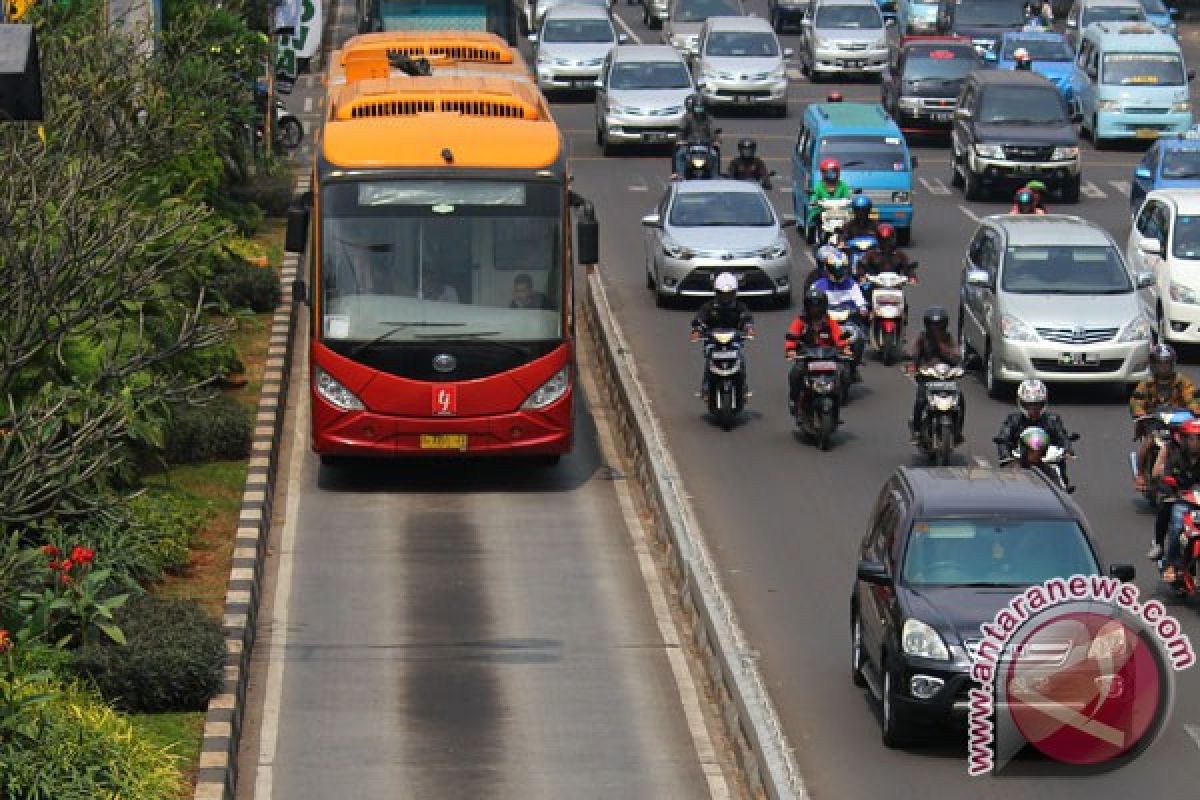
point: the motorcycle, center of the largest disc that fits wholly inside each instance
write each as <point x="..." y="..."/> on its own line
<point x="702" y="159"/>
<point x="724" y="361"/>
<point x="1052" y="462"/>
<point x="854" y="332"/>
<point x="1187" y="574"/>
<point x="857" y="247"/>
<point x="1161" y="424"/>
<point x="943" y="407"/>
<point x="817" y="410"/>
<point x="835" y="213"/>
<point x="885" y="293"/>
<point x="286" y="130"/>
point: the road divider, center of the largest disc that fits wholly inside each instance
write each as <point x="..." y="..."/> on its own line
<point x="751" y="723"/>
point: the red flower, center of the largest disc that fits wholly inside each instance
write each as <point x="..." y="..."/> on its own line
<point x="50" y="550"/>
<point x="66" y="565"/>
<point x="65" y="578"/>
<point x="5" y="642"/>
<point x="82" y="555"/>
<point x="52" y="566"/>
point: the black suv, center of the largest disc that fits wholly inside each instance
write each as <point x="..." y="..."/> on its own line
<point x="1011" y="127"/>
<point x="946" y="548"/>
<point x="984" y="22"/>
<point x="921" y="85"/>
<point x="781" y="13"/>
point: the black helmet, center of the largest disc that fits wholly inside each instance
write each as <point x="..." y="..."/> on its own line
<point x="936" y="318"/>
<point x="816" y="303"/>
<point x="746" y="148"/>
<point x="1162" y="362"/>
<point x="1026" y="203"/>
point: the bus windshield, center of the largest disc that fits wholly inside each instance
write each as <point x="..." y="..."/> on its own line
<point x="493" y="16"/>
<point x="424" y="260"/>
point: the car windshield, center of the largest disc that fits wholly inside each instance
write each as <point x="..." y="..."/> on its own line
<point x="865" y="153"/>
<point x="1181" y="165"/>
<point x="1154" y="7"/>
<point x="728" y="209"/>
<point x="700" y="10"/>
<point x="1065" y="269"/>
<point x="738" y="43"/>
<point x="649" y="75"/>
<point x="1039" y="49"/>
<point x="1022" y="105"/>
<point x="948" y="63"/>
<point x="1111" y="14"/>
<point x="577" y="30"/>
<point x="996" y="551"/>
<point x="1143" y="69"/>
<point x="852" y="17"/>
<point x="1186" y="238"/>
<point x="990" y="13"/>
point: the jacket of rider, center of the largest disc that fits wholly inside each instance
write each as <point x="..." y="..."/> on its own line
<point x="1150" y="394"/>
<point x="696" y="130"/>
<point x="713" y="315"/>
<point x="827" y="334"/>
<point x="877" y="260"/>
<point x="927" y="353"/>
<point x="821" y="191"/>
<point x="750" y="169"/>
<point x="843" y="294"/>
<point x="1016" y="423"/>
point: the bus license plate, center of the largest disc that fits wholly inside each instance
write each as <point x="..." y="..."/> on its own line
<point x="443" y="441"/>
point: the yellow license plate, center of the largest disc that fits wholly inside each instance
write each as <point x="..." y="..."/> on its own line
<point x="443" y="441"/>
<point x="1146" y="133"/>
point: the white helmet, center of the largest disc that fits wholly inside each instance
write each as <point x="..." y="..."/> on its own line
<point x="1032" y="392"/>
<point x="725" y="287"/>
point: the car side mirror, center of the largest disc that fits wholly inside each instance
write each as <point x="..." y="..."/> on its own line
<point x="874" y="573"/>
<point x="978" y="277"/>
<point x="1149" y="246"/>
<point x="962" y="113"/>
<point x="533" y="37"/>
<point x="1143" y="172"/>
<point x="913" y="160"/>
<point x="889" y="22"/>
<point x="652" y="221"/>
<point x="1191" y="75"/>
<point x="788" y="52"/>
<point x="622" y="38"/>
<point x="1145" y="280"/>
<point x="1125" y="573"/>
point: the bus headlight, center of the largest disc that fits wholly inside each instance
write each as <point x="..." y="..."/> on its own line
<point x="550" y="391"/>
<point x="336" y="394"/>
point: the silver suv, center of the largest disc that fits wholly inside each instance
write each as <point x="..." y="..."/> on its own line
<point x="687" y="17"/>
<point x="741" y="63"/>
<point x="843" y="36"/>
<point x="572" y="46"/>
<point x="640" y="96"/>
<point x="1051" y="297"/>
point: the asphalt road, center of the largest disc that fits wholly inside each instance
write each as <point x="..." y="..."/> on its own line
<point x="785" y="519"/>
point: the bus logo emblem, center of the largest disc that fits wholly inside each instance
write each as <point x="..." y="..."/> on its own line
<point x="445" y="401"/>
<point x="444" y="362"/>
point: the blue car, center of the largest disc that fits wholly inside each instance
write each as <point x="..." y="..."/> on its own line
<point x="1173" y="162"/>
<point x="1051" y="55"/>
<point x="1161" y="17"/>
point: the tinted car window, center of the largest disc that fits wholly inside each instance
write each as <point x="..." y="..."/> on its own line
<point x="704" y="209"/>
<point x="1187" y="238"/>
<point x="1022" y="105"/>
<point x="1111" y="14"/>
<point x="1154" y="7"/>
<point x="1143" y="69"/>
<point x="1039" y="49"/>
<point x="990" y="13"/>
<point x="650" y="75"/>
<point x="995" y="552"/>
<point x="947" y="63"/>
<point x="1181" y="164"/>
<point x="577" y="30"/>
<point x="734" y="43"/>
<point x="1064" y="269"/>
<point x="700" y="10"/>
<point x="867" y="153"/>
<point x="834" y="16"/>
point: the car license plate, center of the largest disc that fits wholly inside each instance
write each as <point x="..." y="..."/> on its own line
<point x="583" y="84"/>
<point x="853" y="64"/>
<point x="1146" y="133"/>
<point x="655" y="137"/>
<point x="1078" y="359"/>
<point x="742" y="98"/>
<point x="940" y="116"/>
<point x="443" y="441"/>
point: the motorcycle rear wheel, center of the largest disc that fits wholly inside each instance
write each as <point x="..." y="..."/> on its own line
<point x="291" y="133"/>
<point x="943" y="442"/>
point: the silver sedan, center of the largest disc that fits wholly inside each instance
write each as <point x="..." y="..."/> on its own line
<point x="702" y="228"/>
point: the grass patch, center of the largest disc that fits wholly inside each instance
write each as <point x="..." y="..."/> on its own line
<point x="183" y="732"/>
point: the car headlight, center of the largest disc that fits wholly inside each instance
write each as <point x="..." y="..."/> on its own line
<point x="778" y="249"/>
<point x="614" y="108"/>
<point x="1182" y="294"/>
<point x="675" y="250"/>
<point x="910" y="102"/>
<point x="901" y="197"/>
<point x="1065" y="154"/>
<point x="550" y="391"/>
<point x="779" y="73"/>
<point x="1108" y="105"/>
<point x="1015" y="329"/>
<point x="543" y="57"/>
<point x="918" y="639"/>
<point x="1183" y="106"/>
<point x="822" y="42"/>
<point x="335" y="393"/>
<point x="989" y="151"/>
<point x="1136" y="331"/>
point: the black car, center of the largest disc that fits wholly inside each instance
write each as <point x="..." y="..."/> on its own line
<point x="984" y="22"/>
<point x="945" y="549"/>
<point x="1009" y="128"/>
<point x="921" y="85"/>
<point x="782" y="13"/>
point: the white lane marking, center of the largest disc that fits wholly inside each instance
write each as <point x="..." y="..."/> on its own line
<point x="1194" y="732"/>
<point x="308" y="105"/>
<point x="980" y="461"/>
<point x="1092" y="190"/>
<point x="637" y="39"/>
<point x="277" y="658"/>
<point x="969" y="213"/>
<point x="1122" y="187"/>
<point x="689" y="696"/>
<point x="935" y="186"/>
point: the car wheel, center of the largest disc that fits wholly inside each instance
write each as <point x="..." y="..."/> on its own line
<point x="600" y="132"/>
<point x="895" y="732"/>
<point x="1070" y="189"/>
<point x="991" y="382"/>
<point x="972" y="187"/>
<point x="955" y="176"/>
<point x="661" y="300"/>
<point x="781" y="110"/>
<point x="646" y="16"/>
<point x="856" y="651"/>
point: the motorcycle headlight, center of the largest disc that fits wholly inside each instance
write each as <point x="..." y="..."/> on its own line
<point x="989" y="151"/>
<point x="1016" y="330"/>
<point x="675" y="250"/>
<point x="334" y="393"/>
<point x="1108" y="105"/>
<point x="1182" y="294"/>
<point x="943" y="402"/>
<point x="1065" y="154"/>
<point x="1182" y="107"/>
<point x="550" y="391"/>
<point x="922" y="641"/>
<point x="1136" y="331"/>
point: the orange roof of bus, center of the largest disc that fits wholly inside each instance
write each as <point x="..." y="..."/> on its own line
<point x="491" y="121"/>
<point x="475" y="52"/>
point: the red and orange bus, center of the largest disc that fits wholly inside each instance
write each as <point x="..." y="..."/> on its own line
<point x="440" y="262"/>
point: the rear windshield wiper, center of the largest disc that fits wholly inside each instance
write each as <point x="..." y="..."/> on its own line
<point x="396" y="328"/>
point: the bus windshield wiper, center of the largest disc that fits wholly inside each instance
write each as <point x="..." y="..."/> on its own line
<point x="474" y="336"/>
<point x="396" y="328"/>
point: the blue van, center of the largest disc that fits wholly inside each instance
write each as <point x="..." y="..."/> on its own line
<point x="873" y="154"/>
<point x="1129" y="82"/>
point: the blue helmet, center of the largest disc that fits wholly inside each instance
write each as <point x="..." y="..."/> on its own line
<point x="861" y="203"/>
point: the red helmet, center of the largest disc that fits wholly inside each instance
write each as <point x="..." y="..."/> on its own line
<point x="886" y="233"/>
<point x="1190" y="428"/>
<point x="831" y="170"/>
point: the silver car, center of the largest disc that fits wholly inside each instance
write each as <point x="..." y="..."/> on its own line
<point x="843" y="36"/>
<point x="1051" y="297"/>
<point x="740" y="62"/>
<point x="572" y="46"/>
<point x="640" y="96"/>
<point x="702" y="228"/>
<point x="535" y="10"/>
<point x="687" y="17"/>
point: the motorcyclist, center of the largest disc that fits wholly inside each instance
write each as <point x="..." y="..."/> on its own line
<point x="1024" y="203"/>
<point x="1032" y="397"/>
<point x="830" y="187"/>
<point x="824" y="253"/>
<point x="1165" y="388"/>
<point x="860" y="224"/>
<point x="813" y="327"/>
<point x="886" y="256"/>
<point x="748" y="166"/>
<point x="1178" y="469"/>
<point x="1021" y="60"/>
<point x="724" y="310"/>
<point x="935" y="345"/>
<point x="1039" y="194"/>
<point x="845" y="293"/>
<point x="696" y="127"/>
<point x="1039" y="14"/>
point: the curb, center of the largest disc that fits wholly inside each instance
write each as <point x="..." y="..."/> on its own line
<point x="747" y="714"/>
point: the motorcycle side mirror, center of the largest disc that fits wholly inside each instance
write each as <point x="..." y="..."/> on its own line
<point x="1122" y="572"/>
<point x="914" y="264"/>
<point x="874" y="573"/>
<point x="1074" y="437"/>
<point x="998" y="439"/>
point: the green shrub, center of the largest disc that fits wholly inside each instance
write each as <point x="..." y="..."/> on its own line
<point x="219" y="430"/>
<point x="270" y="191"/>
<point x="173" y="660"/>
<point x="247" y="286"/>
<point x="169" y="520"/>
<point x="85" y="750"/>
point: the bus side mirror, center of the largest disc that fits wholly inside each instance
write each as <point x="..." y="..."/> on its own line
<point x="297" y="226"/>
<point x="587" y="236"/>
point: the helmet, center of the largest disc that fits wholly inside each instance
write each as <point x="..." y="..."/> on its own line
<point x="746" y="148"/>
<point x="823" y="253"/>
<point x="1037" y="187"/>
<point x="886" y="234"/>
<point x="1034" y="443"/>
<point x="837" y="266"/>
<point x="1021" y="57"/>
<point x="1025" y="202"/>
<point x="1189" y="434"/>
<point x="725" y="287"/>
<point x="1032" y="397"/>
<point x="1162" y="362"/>
<point x="861" y="205"/>
<point x="936" y="318"/>
<point x="831" y="170"/>
<point x="816" y="303"/>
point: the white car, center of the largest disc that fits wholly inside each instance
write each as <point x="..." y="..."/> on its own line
<point x="740" y="62"/>
<point x="843" y="37"/>
<point x="1165" y="240"/>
